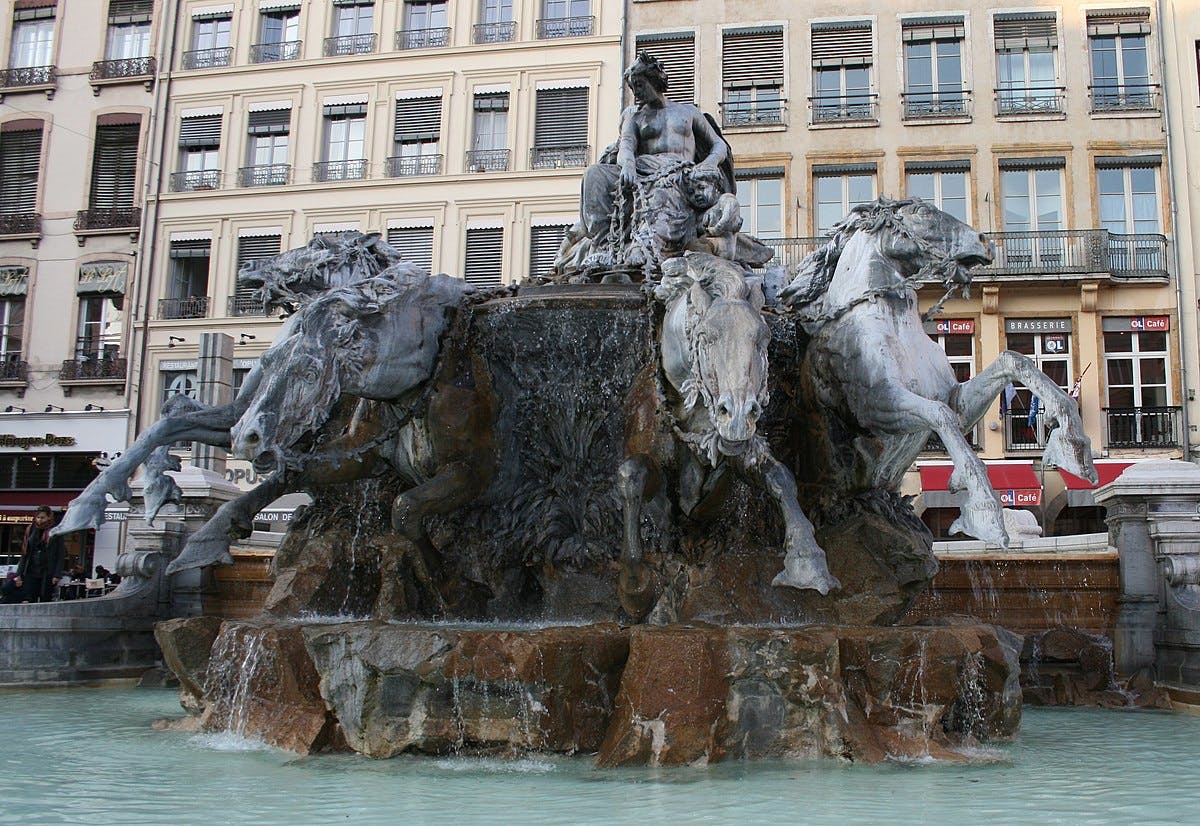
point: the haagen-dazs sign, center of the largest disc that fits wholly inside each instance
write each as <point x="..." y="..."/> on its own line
<point x="26" y="442"/>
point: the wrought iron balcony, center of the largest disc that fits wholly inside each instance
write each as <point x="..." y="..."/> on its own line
<point x="125" y="68"/>
<point x="934" y="443"/>
<point x="753" y="113"/>
<point x="245" y="305"/>
<point x="1067" y="252"/>
<point x="844" y="108"/>
<point x="195" y="180"/>
<point x="276" y="174"/>
<point x="1137" y="97"/>
<point x="937" y="105"/>
<point x="494" y="32"/>
<point x="275" y="52"/>
<point x="20" y="223"/>
<point x="208" y="58"/>
<point x="411" y="165"/>
<point x="100" y="367"/>
<point x="559" y="157"/>
<point x="195" y="306"/>
<point x="1031" y="100"/>
<point x="13" y="370"/>
<point x="791" y="251"/>
<point x="487" y="160"/>
<point x="422" y="39"/>
<point x="102" y="219"/>
<point x="1145" y="427"/>
<point x="1023" y="433"/>
<point x="349" y="44"/>
<point x="1138" y="255"/>
<point x="553" y="27"/>
<point x="351" y="170"/>
<point x="32" y="78"/>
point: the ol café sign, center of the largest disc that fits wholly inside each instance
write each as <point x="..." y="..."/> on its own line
<point x="1150" y="323"/>
<point x="1020" y="498"/>
<point x="955" y="326"/>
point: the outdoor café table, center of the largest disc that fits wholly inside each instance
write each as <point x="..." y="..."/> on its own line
<point x="70" y="589"/>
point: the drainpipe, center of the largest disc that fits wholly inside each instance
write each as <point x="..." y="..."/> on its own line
<point x="1183" y="345"/>
<point x="162" y="96"/>
<point x="624" y="50"/>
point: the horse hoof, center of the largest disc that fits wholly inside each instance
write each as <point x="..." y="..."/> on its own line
<point x="807" y="575"/>
<point x="636" y="593"/>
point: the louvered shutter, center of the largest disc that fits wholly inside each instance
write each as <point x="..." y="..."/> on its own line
<point x="842" y="44"/>
<point x="485" y="251"/>
<point x="497" y="102"/>
<point x="543" y="247"/>
<point x="1113" y="22"/>
<point x="252" y="248"/>
<point x="922" y="29"/>
<point x="561" y="118"/>
<point x="677" y="53"/>
<point x="273" y="122"/>
<point x="752" y="57"/>
<point x="418" y="120"/>
<point x="1015" y="32"/>
<point x="114" y="166"/>
<point x="204" y="131"/>
<point x="191" y="249"/>
<point x="20" y="156"/>
<point x="415" y="244"/>
<point x="121" y="12"/>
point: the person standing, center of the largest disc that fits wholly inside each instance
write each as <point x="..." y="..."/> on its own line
<point x="42" y="560"/>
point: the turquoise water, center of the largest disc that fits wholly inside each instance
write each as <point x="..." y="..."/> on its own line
<point x="90" y="756"/>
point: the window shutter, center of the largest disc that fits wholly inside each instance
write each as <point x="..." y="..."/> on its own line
<point x="842" y="44"/>
<point x="20" y="156"/>
<point x="415" y="244"/>
<point x="252" y="248"/>
<point x="418" y="119"/>
<point x="1112" y="22"/>
<point x="1023" y="31"/>
<point x="492" y="102"/>
<point x="345" y="110"/>
<point x="561" y="118"/>
<point x="922" y="29"/>
<point x="114" y="166"/>
<point x="273" y="122"/>
<point x="204" y="130"/>
<point x="485" y="251"/>
<point x="191" y="249"/>
<point x="543" y="247"/>
<point x="752" y="57"/>
<point x="129" y="11"/>
<point x="33" y="10"/>
<point x="677" y="53"/>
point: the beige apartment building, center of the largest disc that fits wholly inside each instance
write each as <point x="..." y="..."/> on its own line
<point x="76" y="100"/>
<point x="1041" y="124"/>
<point x="458" y="130"/>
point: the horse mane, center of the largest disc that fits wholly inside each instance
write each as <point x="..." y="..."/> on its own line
<point x="717" y="277"/>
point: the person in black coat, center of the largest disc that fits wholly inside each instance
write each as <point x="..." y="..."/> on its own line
<point x="42" y="561"/>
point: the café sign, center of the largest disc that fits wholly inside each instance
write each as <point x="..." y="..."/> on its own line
<point x="1137" y="324"/>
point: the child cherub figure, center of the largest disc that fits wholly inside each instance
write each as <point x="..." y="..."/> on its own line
<point x="718" y="225"/>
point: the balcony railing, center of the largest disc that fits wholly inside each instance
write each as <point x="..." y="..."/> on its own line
<point x="276" y="174"/>
<point x="791" y="251"/>
<point x="553" y="27"/>
<point x="351" y="170"/>
<point x="100" y="368"/>
<point x="1125" y="98"/>
<point x="487" y="160"/>
<point x="245" y="305"/>
<point x="101" y="219"/>
<point x="1023" y="433"/>
<point x="208" y="58"/>
<point x="412" y="165"/>
<point x="934" y="443"/>
<point x="1076" y="252"/>
<point x="195" y="306"/>
<point x="132" y="68"/>
<point x="494" y="32"/>
<point x="349" y="44"/>
<point x="1137" y="255"/>
<point x="753" y="113"/>
<point x="28" y="76"/>
<point x="1144" y="427"/>
<point x="559" y="157"/>
<point x="275" y="52"/>
<point x="1030" y="100"/>
<point x="13" y="370"/>
<point x="195" y="180"/>
<point x="422" y="39"/>
<point x="844" y="108"/>
<point x="20" y="223"/>
<point x="937" y="105"/>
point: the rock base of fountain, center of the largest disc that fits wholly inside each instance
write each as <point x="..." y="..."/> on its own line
<point x="645" y="695"/>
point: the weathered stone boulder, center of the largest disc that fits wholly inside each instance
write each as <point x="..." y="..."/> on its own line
<point x="1067" y="666"/>
<point x="186" y="644"/>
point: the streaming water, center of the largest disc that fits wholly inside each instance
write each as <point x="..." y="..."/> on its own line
<point x="90" y="756"/>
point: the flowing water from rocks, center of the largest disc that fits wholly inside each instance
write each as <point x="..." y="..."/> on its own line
<point x="90" y="756"/>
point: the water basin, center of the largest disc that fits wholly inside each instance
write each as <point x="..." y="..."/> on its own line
<point x="90" y="756"/>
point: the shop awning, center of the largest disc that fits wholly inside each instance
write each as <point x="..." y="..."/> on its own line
<point x="1015" y="482"/>
<point x="1080" y="491"/>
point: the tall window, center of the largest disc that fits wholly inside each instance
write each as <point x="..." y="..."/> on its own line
<point x="943" y="184"/>
<point x="128" y="29"/>
<point x="933" y="69"/>
<point x="1138" y="383"/>
<point x="560" y="128"/>
<point x="425" y="25"/>
<point x="1047" y="341"/>
<point x="267" y="148"/>
<point x="752" y="76"/>
<point x="841" y="59"/>
<point x="417" y="137"/>
<point x="489" y="141"/>
<point x="278" y="35"/>
<point x="415" y="244"/>
<point x="98" y="335"/>
<point x="1127" y="191"/>
<point x="20" y="160"/>
<point x="495" y="11"/>
<point x="32" y="38"/>
<point x="484" y="256"/>
<point x="210" y="41"/>
<point x="1120" y="60"/>
<point x="565" y="18"/>
<point x="187" y="286"/>
<point x="760" y="197"/>
<point x="180" y="383"/>
<point x="496" y="23"/>
<point x="544" y="242"/>
<point x="252" y="248"/>
<point x="353" y="23"/>
<point x="956" y="337"/>
<point x="1025" y="63"/>
<point x="1032" y="195"/>
<point x="838" y="188"/>
<point x="344" y="150"/>
<point x="676" y="52"/>
<point x="199" y="153"/>
<point x="12" y="330"/>
<point x="114" y="166"/>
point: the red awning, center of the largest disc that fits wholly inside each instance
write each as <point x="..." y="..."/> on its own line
<point x="1016" y="483"/>
<point x="1107" y="471"/>
<point x="22" y="499"/>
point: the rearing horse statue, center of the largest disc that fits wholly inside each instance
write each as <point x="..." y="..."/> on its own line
<point x="872" y="363"/>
